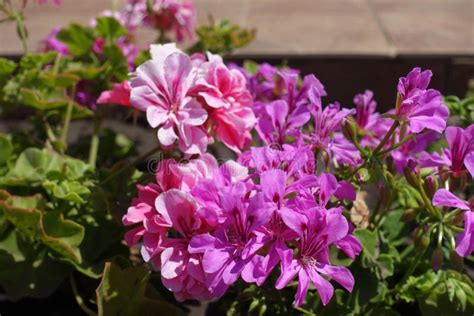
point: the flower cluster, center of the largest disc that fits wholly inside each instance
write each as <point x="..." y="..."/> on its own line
<point x="278" y="208"/>
<point x="167" y="16"/>
<point x="189" y="97"/>
<point x="204" y="227"/>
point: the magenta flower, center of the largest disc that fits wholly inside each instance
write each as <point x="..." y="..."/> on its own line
<point x="284" y="116"/>
<point x="51" y="43"/>
<point x="412" y="148"/>
<point x="160" y="88"/>
<point x="365" y="109"/>
<point x="460" y="153"/>
<point x="420" y="107"/>
<point x="465" y="240"/>
<point x="317" y="230"/>
<point x="326" y="135"/>
<point x="231" y="248"/>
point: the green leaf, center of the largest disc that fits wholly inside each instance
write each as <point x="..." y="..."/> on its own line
<point x="6" y="148"/>
<point x="368" y="239"/>
<point x="443" y="293"/>
<point x="27" y="271"/>
<point x="84" y="71"/>
<point x="122" y="292"/>
<point x="42" y="102"/>
<point x="62" y="80"/>
<point x="71" y="191"/>
<point x="7" y="67"/>
<point x="109" y="28"/>
<point x="119" y="65"/>
<point x="49" y="228"/>
<point x="78" y="39"/>
<point x="31" y="167"/>
<point x="35" y="166"/>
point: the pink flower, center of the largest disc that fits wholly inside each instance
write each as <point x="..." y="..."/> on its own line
<point x="175" y="16"/>
<point x="160" y="88"/>
<point x="184" y="175"/>
<point x="465" y="240"/>
<point x="181" y="271"/>
<point x="149" y="224"/>
<point x="229" y="103"/>
<point x="120" y="94"/>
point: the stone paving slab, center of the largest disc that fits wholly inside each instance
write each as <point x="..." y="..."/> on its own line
<point x="386" y="28"/>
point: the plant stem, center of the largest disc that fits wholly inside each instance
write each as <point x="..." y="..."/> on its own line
<point x="67" y="119"/>
<point x="94" y="147"/>
<point x="79" y="299"/>
<point x="404" y="141"/>
<point x="432" y="210"/>
<point x="410" y="270"/>
<point x="93" y="150"/>
<point x="304" y="311"/>
<point x="20" y="24"/>
<point x="386" y="138"/>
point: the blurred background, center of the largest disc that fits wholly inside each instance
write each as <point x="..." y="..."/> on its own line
<point x="350" y="45"/>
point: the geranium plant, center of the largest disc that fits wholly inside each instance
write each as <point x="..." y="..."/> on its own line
<point x="264" y="200"/>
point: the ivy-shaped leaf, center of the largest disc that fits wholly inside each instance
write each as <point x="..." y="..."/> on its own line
<point x="122" y="292"/>
<point x="109" y="28"/>
<point x="78" y="39"/>
<point x="49" y="228"/>
<point x="71" y="191"/>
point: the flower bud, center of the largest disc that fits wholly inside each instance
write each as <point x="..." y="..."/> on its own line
<point x="408" y="216"/>
<point x="411" y="176"/>
<point x="437" y="259"/>
<point x="431" y="186"/>
<point x="456" y="260"/>
<point x="349" y="130"/>
<point x="422" y="238"/>
<point x="458" y="219"/>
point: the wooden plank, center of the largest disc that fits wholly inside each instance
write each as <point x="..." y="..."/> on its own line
<point x="302" y="27"/>
<point x="428" y="27"/>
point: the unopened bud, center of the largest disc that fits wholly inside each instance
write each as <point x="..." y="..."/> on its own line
<point x="431" y="186"/>
<point x="389" y="161"/>
<point x="410" y="174"/>
<point x="349" y="130"/>
<point x="458" y="219"/>
<point x="408" y="216"/>
<point x="456" y="260"/>
<point x="422" y="238"/>
<point x="437" y="259"/>
<point x="444" y="175"/>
